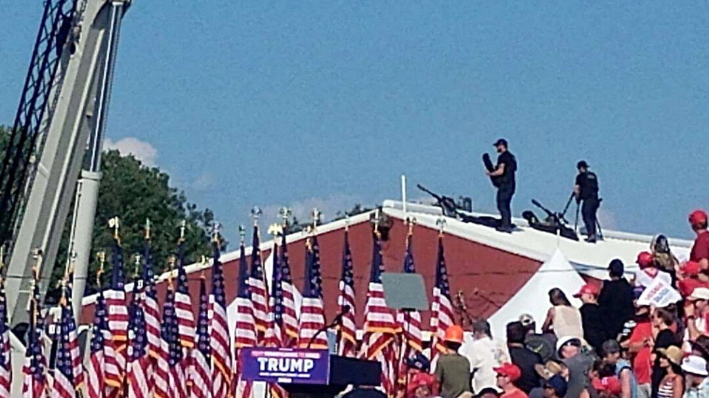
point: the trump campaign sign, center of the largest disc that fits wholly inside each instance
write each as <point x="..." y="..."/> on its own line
<point x="283" y="365"/>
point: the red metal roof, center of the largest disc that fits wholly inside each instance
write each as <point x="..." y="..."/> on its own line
<point x="487" y="276"/>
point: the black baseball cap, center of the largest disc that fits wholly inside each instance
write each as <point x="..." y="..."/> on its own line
<point x="582" y="164"/>
<point x="610" y="347"/>
<point x="499" y="142"/>
<point x="616" y="267"/>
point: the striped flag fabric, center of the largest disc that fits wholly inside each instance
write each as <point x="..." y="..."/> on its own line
<point x="442" y="305"/>
<point x="183" y="302"/>
<point x="150" y="301"/>
<point x="274" y="334"/>
<point x="290" y="318"/>
<point x="68" y="328"/>
<point x="219" y="328"/>
<point x="245" y="330"/>
<point x="138" y="368"/>
<point x="34" y="380"/>
<point x="409" y="321"/>
<point x="117" y="321"/>
<point x="162" y="375"/>
<point x="200" y="372"/>
<point x="347" y="344"/>
<point x="312" y="312"/>
<point x="177" y="363"/>
<point x="5" y="349"/>
<point x="379" y="325"/>
<point x="63" y="381"/>
<point x="257" y="287"/>
<point x="99" y="336"/>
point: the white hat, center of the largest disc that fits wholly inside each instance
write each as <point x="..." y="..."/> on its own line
<point x="700" y="293"/>
<point x="695" y="365"/>
<point x="566" y="340"/>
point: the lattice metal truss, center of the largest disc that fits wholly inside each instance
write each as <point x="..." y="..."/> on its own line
<point x="25" y="142"/>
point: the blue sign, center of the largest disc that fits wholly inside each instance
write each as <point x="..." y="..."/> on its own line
<point x="285" y="365"/>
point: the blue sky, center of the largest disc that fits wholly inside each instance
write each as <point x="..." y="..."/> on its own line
<point x="327" y="103"/>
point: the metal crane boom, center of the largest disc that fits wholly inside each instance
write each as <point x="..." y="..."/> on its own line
<point x="78" y="114"/>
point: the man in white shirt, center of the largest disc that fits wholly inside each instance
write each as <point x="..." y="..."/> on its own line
<point x="695" y="370"/>
<point x="484" y="354"/>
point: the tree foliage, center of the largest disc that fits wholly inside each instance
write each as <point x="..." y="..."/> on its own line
<point x="135" y="193"/>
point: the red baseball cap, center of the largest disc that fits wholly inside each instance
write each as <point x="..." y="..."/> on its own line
<point x="588" y="288"/>
<point x="609" y="384"/>
<point x="691" y="268"/>
<point x="698" y="217"/>
<point x="509" y="370"/>
<point x="644" y="260"/>
<point x="422" y="379"/>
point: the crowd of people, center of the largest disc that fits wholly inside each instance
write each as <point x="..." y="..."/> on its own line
<point x="616" y="345"/>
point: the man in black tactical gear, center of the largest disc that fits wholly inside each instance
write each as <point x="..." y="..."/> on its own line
<point x="586" y="190"/>
<point x="506" y="168"/>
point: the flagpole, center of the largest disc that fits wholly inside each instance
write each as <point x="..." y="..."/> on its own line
<point x="403" y="194"/>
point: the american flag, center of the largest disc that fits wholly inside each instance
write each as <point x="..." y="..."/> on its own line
<point x="379" y="325"/>
<point x="200" y="373"/>
<point x="183" y="302"/>
<point x="117" y="321"/>
<point x="245" y="330"/>
<point x="274" y="334"/>
<point x="139" y="365"/>
<point x="5" y="358"/>
<point x="162" y="375"/>
<point x="67" y="327"/>
<point x="34" y="381"/>
<point x="71" y="331"/>
<point x="99" y="332"/>
<point x="219" y="328"/>
<point x="150" y="301"/>
<point x="410" y="321"/>
<point x="290" y="318"/>
<point x="177" y="363"/>
<point x="441" y="307"/>
<point x="312" y="312"/>
<point x="63" y="384"/>
<point x="348" y="328"/>
<point x="257" y="287"/>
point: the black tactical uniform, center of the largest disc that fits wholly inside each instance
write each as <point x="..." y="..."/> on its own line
<point x="587" y="183"/>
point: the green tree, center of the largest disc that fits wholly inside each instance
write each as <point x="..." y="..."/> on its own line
<point x="136" y="193"/>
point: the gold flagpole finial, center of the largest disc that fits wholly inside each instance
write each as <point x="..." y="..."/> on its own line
<point x="147" y="228"/>
<point x="115" y="224"/>
<point x="347" y="221"/>
<point x="441" y="223"/>
<point x="215" y="232"/>
<point x="275" y="230"/>
<point x="136" y="269"/>
<point x="285" y="214"/>
<point x="183" y="227"/>
<point x="256" y="213"/>
<point x="242" y="233"/>
<point x="411" y="221"/>
<point x="317" y="216"/>
<point x="37" y="254"/>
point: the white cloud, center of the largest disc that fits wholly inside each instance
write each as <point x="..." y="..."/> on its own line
<point x="203" y="182"/>
<point x="142" y="150"/>
<point x="328" y="206"/>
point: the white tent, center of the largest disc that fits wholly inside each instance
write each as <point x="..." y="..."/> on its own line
<point x="533" y="297"/>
